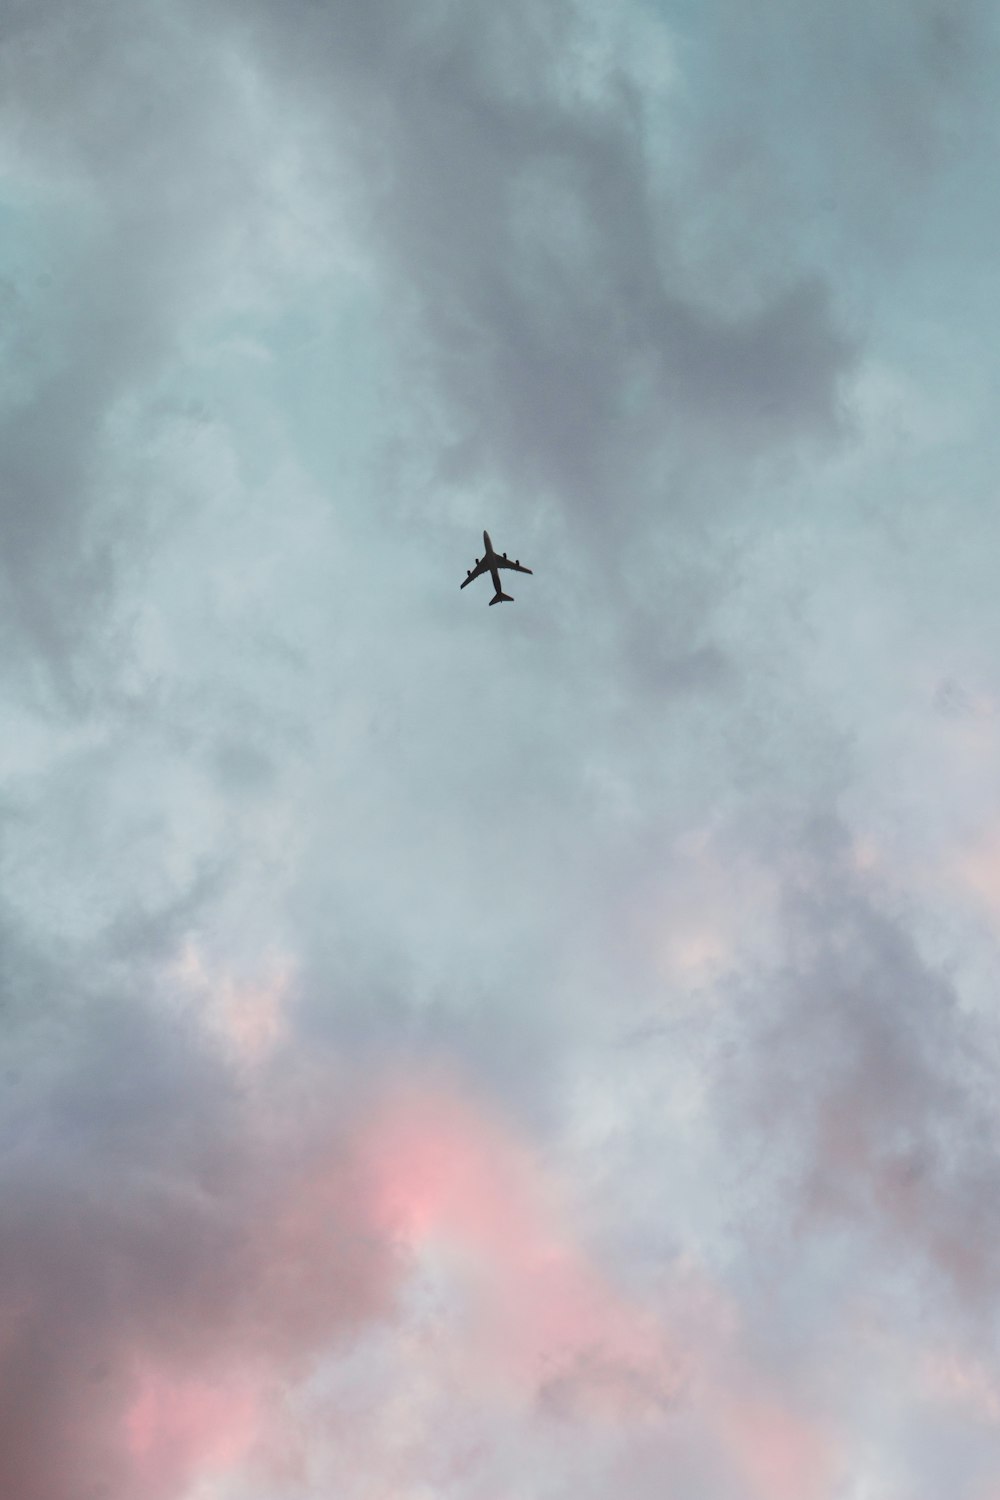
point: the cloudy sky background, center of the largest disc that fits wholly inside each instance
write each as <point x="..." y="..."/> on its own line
<point x="482" y="1053"/>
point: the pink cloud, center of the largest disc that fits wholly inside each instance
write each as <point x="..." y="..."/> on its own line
<point x="152" y="1305"/>
<point x="306" y="1242"/>
<point x="548" y="1318"/>
<point x="447" y="1173"/>
<point x="718" y="906"/>
<point x="966" y="1382"/>
<point x="246" y="1015"/>
<point x="781" y="1454"/>
<point x="178" y="1426"/>
<point x="977" y="868"/>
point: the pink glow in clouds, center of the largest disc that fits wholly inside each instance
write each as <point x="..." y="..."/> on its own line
<point x="547" y="1329"/>
<point x="537" y="1331"/>
<point x="967" y="1382"/>
<point x="718" y="906"/>
<point x="780" y="1454"/>
<point x="176" y="1427"/>
<point x="977" y="866"/>
<point x="449" y="1176"/>
<point x="248" y="1016"/>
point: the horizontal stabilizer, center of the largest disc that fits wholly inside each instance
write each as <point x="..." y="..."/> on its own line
<point x="499" y="597"/>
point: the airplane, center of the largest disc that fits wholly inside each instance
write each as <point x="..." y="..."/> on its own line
<point x="491" y="563"/>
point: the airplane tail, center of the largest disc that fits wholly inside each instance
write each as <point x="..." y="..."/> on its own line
<point x="500" y="596"/>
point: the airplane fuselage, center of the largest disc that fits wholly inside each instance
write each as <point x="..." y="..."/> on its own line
<point x="488" y="559"/>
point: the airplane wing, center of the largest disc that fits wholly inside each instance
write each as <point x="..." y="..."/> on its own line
<point x="480" y="568"/>
<point x="518" y="567"/>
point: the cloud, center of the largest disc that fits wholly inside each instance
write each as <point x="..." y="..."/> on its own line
<point x="844" y="121"/>
<point x="524" y="221"/>
<point x="866" y="1087"/>
<point x="449" y="1173"/>
<point x="138" y="189"/>
<point x="435" y="1055"/>
<point x="174" y="1242"/>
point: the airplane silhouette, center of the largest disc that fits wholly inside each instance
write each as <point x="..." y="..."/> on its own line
<point x="491" y="563"/>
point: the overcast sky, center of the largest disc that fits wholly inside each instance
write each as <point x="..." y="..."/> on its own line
<point x="451" y="1053"/>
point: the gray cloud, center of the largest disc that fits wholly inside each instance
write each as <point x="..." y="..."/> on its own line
<point x="527" y="229"/>
<point x="140" y="192"/>
<point x="573" y="285"/>
<point x="844" y="122"/>
<point x="867" y="1089"/>
<point x="159" y="1220"/>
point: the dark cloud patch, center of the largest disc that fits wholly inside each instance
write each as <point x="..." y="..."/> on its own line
<point x="865" y="1088"/>
<point x="703" y="669"/>
<point x="142" y="932"/>
<point x="853" y="111"/>
<point x="527" y="226"/>
<point x="160" y="1223"/>
<point x="241" y="769"/>
<point x="129" y="196"/>
<point x="564" y="1395"/>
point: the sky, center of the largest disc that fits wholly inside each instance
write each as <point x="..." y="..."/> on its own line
<point x="453" y="1053"/>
